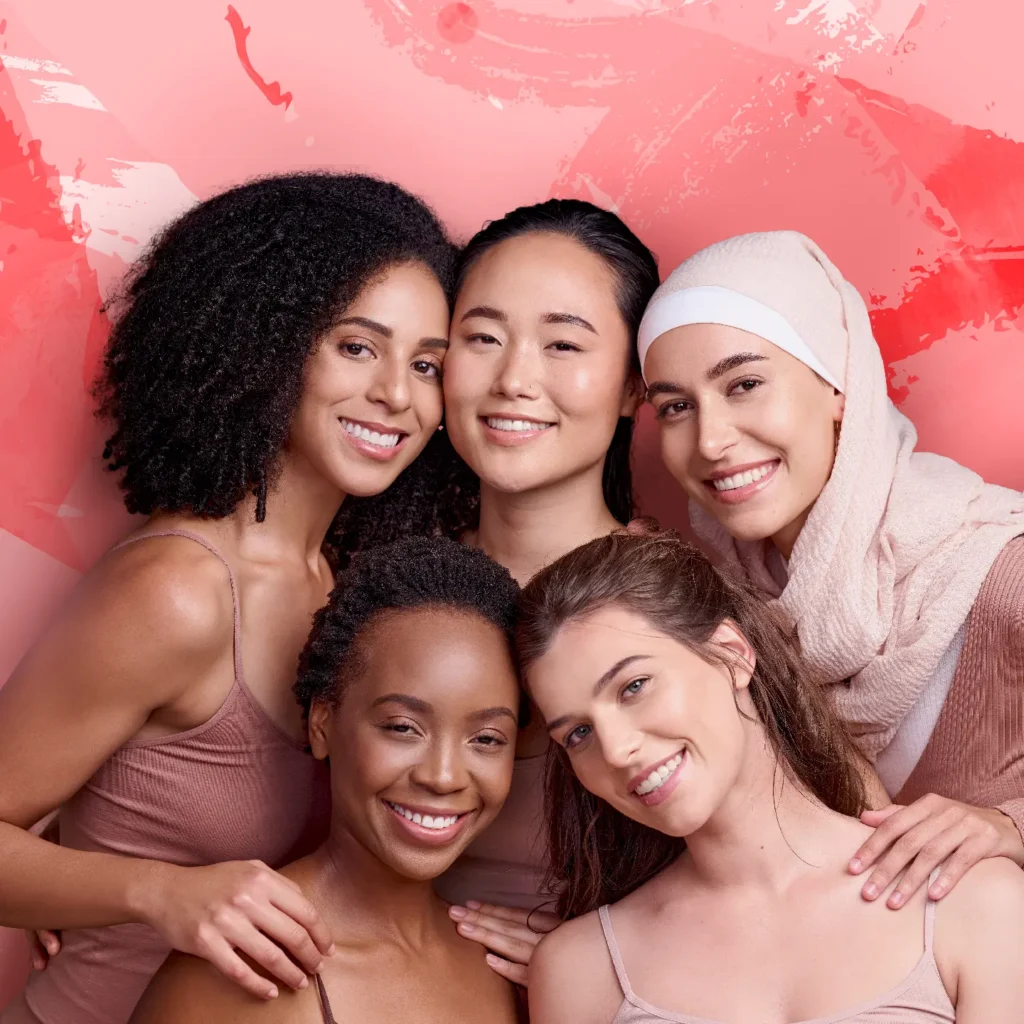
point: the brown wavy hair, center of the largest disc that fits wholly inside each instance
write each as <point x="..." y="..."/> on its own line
<point x="597" y="854"/>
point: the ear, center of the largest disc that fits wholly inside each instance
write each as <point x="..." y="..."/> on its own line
<point x="839" y="407"/>
<point x="320" y="722"/>
<point x="728" y="636"/>
<point x="633" y="394"/>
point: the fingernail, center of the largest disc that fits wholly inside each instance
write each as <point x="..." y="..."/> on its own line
<point x="938" y="888"/>
<point x="457" y="912"/>
<point x="465" y="928"/>
<point x="896" y="899"/>
<point x="855" y="865"/>
<point x="330" y="950"/>
<point x="272" y="994"/>
<point x="474" y="904"/>
<point x="870" y="891"/>
<point x="492" y="959"/>
<point x="304" y="983"/>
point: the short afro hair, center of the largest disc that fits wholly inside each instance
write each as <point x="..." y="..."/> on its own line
<point x="414" y="573"/>
<point x="213" y="326"/>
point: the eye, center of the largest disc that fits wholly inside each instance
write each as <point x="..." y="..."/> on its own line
<point x="355" y="349"/>
<point x="634" y="686"/>
<point x="565" y="346"/>
<point x="426" y="368"/>
<point x="483" y="339"/>
<point x="744" y="387"/>
<point x="400" y="728"/>
<point x="673" y="410"/>
<point x="491" y="740"/>
<point x="576" y="736"/>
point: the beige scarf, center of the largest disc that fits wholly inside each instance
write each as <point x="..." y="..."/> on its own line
<point x="898" y="544"/>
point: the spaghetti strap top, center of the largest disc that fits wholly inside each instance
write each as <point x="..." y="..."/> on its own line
<point x="921" y="997"/>
<point x="325" y="1003"/>
<point x="236" y="787"/>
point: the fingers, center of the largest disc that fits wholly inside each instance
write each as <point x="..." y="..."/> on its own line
<point x="536" y="920"/>
<point x="37" y="951"/>
<point x="904" y="850"/>
<point x="516" y="973"/>
<point x="515" y="947"/>
<point x="895" y="824"/>
<point x="279" y="934"/>
<point x="957" y="866"/>
<point x="215" y="948"/>
<point x="875" y="818"/>
<point x="300" y="910"/>
<point x="932" y="854"/>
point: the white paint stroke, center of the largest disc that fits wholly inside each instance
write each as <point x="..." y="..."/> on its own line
<point x="50" y="67"/>
<point x="146" y="196"/>
<point x="71" y="93"/>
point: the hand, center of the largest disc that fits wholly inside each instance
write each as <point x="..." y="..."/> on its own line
<point x="42" y="945"/>
<point x="932" y="831"/>
<point x="220" y="911"/>
<point x="511" y="933"/>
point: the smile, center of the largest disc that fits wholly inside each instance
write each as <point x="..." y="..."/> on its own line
<point x="654" y="785"/>
<point x="517" y="426"/>
<point x="373" y="439"/>
<point x="743" y="482"/>
<point x="509" y="431"/>
<point x="433" y="829"/>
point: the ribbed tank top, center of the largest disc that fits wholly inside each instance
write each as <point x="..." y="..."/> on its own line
<point x="921" y="997"/>
<point x="236" y="787"/>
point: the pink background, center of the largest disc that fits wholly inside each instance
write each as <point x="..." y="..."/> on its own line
<point x="892" y="131"/>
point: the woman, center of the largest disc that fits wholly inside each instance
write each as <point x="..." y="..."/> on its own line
<point x="410" y="688"/>
<point x="902" y="574"/>
<point x="707" y="787"/>
<point x="278" y="349"/>
<point x="541" y="384"/>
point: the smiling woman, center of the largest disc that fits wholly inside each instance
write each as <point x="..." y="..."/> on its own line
<point x="410" y="688"/>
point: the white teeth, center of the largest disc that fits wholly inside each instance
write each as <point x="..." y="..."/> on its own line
<point x="730" y="483"/>
<point x="657" y="777"/>
<point x="425" y="820"/>
<point x="497" y="424"/>
<point x="365" y="434"/>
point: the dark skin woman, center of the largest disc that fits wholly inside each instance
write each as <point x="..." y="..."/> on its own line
<point x="410" y="687"/>
<point x="276" y="353"/>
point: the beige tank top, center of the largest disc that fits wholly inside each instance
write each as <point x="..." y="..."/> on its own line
<point x="234" y="788"/>
<point x="920" y="998"/>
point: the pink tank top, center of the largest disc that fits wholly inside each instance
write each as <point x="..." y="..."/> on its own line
<point x="234" y="788"/>
<point x="920" y="998"/>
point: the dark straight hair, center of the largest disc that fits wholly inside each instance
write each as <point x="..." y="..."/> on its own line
<point x="597" y="854"/>
<point x="636" y="274"/>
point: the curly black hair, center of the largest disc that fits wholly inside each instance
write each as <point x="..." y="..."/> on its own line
<point x="213" y="326"/>
<point x="411" y="573"/>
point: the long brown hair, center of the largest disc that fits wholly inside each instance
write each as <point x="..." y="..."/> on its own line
<point x="597" y="854"/>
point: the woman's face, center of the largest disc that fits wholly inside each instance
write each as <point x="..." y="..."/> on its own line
<point x="649" y="727"/>
<point x="747" y="429"/>
<point x="422" y="745"/>
<point x="537" y="374"/>
<point x="372" y="393"/>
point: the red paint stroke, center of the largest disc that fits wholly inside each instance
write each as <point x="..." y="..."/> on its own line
<point x="3" y="26"/>
<point x="272" y="90"/>
<point x="79" y="167"/>
<point x="457" y="23"/>
<point x="803" y="98"/>
<point x="53" y="332"/>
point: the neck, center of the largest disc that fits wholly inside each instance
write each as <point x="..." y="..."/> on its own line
<point x="363" y="900"/>
<point x="527" y="531"/>
<point x="300" y="507"/>
<point x="767" y="832"/>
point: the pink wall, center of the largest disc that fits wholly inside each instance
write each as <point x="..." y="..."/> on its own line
<point x="892" y="131"/>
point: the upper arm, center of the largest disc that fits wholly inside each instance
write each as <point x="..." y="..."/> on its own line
<point x="571" y="976"/>
<point x="135" y="635"/>
<point x="979" y="943"/>
<point x="188" y="990"/>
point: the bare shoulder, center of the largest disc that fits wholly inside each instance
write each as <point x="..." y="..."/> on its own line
<point x="990" y="897"/>
<point x="572" y="977"/>
<point x="188" y="990"/>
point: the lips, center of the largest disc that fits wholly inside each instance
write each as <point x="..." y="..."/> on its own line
<point x="428" y="826"/>
<point x="656" y="783"/>
<point x="739" y="483"/>
<point x="376" y="440"/>
<point x="513" y="430"/>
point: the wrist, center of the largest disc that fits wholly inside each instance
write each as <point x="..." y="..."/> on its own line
<point x="146" y="890"/>
<point x="1012" y="845"/>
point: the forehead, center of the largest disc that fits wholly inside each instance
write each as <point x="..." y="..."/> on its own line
<point x="686" y="353"/>
<point x="540" y="272"/>
<point x="450" y="658"/>
<point x="406" y="292"/>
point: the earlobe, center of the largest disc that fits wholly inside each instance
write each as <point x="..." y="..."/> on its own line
<point x="729" y="636"/>
<point x="632" y="395"/>
<point x="319" y="728"/>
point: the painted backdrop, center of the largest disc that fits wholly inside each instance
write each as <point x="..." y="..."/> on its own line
<point x="892" y="131"/>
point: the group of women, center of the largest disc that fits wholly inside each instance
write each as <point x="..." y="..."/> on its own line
<point x="652" y="789"/>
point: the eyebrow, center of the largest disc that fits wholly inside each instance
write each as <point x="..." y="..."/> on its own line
<point x="722" y="367"/>
<point x="493" y="313"/>
<point x="495" y="712"/>
<point x="386" y="332"/>
<point x="600" y="685"/>
<point x="412" y="703"/>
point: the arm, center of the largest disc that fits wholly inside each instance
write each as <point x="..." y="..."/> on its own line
<point x="187" y="990"/>
<point x="571" y="976"/>
<point x="132" y="646"/>
<point x="979" y="942"/>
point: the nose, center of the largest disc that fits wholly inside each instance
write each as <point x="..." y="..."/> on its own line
<point x="390" y="384"/>
<point x="442" y="769"/>
<point x="619" y="743"/>
<point x="517" y="372"/>
<point x="716" y="432"/>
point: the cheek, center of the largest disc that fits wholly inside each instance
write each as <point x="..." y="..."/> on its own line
<point x="428" y="401"/>
<point x="494" y="778"/>
<point x="466" y="378"/>
<point x="590" y="392"/>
